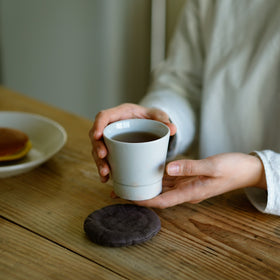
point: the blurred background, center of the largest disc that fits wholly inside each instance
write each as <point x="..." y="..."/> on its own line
<point x="83" y="55"/>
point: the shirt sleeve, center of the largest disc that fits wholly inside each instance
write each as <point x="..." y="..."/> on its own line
<point x="177" y="82"/>
<point x="267" y="201"/>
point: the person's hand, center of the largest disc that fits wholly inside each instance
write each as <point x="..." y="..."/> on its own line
<point x="196" y="180"/>
<point x="121" y="112"/>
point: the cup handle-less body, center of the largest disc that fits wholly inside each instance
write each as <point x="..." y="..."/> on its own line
<point x="137" y="168"/>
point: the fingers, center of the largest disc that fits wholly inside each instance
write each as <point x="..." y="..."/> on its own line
<point x="99" y="153"/>
<point x="192" y="190"/>
<point x="159" y="115"/>
<point x="124" y="111"/>
<point x="171" y="195"/>
<point x="191" y="168"/>
<point x="173" y="128"/>
<point x="103" y="169"/>
<point x="121" y="112"/>
<point x="103" y="118"/>
<point x="166" y="199"/>
<point x="171" y="181"/>
<point x="162" y="201"/>
<point x="202" y="179"/>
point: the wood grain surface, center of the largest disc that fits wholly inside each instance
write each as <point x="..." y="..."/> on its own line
<point x="43" y="211"/>
<point x="26" y="255"/>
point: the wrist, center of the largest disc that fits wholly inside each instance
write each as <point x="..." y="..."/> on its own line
<point x="261" y="178"/>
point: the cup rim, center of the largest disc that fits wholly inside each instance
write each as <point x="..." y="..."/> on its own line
<point x="126" y="122"/>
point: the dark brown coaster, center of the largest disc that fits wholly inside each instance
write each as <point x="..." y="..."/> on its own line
<point x="122" y="225"/>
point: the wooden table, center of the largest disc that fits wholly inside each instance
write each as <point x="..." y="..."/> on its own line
<point x="42" y="214"/>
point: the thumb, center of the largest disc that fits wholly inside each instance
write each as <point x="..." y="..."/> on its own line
<point x="190" y="168"/>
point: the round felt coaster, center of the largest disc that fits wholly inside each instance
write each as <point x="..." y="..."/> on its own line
<point x="122" y="225"/>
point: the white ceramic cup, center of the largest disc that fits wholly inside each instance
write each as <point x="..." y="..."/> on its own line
<point x="137" y="168"/>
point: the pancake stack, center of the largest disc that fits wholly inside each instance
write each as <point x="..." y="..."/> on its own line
<point x="14" y="144"/>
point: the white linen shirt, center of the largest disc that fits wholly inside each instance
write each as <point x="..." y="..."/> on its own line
<point x="220" y="85"/>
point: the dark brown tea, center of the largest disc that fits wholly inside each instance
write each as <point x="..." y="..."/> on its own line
<point x="136" y="137"/>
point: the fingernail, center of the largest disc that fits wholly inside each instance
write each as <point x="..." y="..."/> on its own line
<point x="101" y="153"/>
<point x="101" y="170"/>
<point x="173" y="169"/>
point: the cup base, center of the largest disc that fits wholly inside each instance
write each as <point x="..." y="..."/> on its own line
<point x="137" y="193"/>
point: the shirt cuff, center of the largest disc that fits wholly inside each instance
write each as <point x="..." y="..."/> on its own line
<point x="267" y="201"/>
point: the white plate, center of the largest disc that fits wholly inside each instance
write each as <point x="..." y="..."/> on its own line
<point x="47" y="138"/>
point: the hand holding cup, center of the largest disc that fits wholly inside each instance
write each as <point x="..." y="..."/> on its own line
<point x="121" y="112"/>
